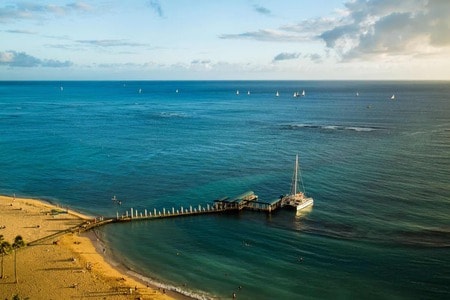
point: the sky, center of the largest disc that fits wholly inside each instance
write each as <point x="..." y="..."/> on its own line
<point x="225" y="40"/>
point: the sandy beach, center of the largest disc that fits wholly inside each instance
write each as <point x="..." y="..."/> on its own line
<point x="58" y="262"/>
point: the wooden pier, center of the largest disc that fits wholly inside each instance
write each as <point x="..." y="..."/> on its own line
<point x="245" y="201"/>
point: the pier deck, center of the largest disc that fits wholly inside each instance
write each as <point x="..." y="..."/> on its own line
<point x="245" y="201"/>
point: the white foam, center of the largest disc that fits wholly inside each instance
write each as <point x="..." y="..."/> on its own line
<point x="192" y="294"/>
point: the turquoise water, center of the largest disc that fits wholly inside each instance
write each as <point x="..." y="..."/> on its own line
<point x="378" y="170"/>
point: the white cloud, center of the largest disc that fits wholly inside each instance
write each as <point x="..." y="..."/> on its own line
<point x="29" y="10"/>
<point x="19" y="31"/>
<point x="265" y="35"/>
<point x="157" y="8"/>
<point x="304" y="31"/>
<point x="376" y="29"/>
<point x="111" y="43"/>
<point x="286" y="56"/>
<point x="370" y="30"/>
<point x="80" y="6"/>
<point x="311" y="28"/>
<point x="128" y="65"/>
<point x="314" y="57"/>
<point x="21" y="59"/>
<point x="198" y="64"/>
<point x="52" y="63"/>
<point x="262" y="10"/>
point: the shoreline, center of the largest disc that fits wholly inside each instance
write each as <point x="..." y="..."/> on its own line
<point x="67" y="264"/>
<point x="116" y="263"/>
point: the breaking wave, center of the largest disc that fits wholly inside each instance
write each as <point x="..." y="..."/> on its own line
<point x="182" y="291"/>
<point x="332" y="127"/>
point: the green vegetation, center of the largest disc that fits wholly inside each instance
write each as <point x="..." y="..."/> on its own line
<point x="18" y="243"/>
<point x="5" y="248"/>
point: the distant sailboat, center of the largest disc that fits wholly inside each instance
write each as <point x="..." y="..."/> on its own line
<point x="237" y="92"/>
<point x="176" y="91"/>
<point x="303" y="93"/>
<point x="277" y="94"/>
<point x="357" y="94"/>
<point x="295" y="94"/>
<point x="140" y="91"/>
<point x="248" y="92"/>
<point x="393" y="97"/>
<point x="61" y="88"/>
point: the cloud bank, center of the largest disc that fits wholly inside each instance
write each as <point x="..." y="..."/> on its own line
<point x="370" y="30"/>
<point x="378" y="28"/>
<point x="29" y="10"/>
<point x="21" y="59"/>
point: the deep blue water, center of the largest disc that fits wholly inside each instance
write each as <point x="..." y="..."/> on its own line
<point x="378" y="169"/>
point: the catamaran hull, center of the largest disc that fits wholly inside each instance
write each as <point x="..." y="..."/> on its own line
<point x="306" y="204"/>
<point x="298" y="205"/>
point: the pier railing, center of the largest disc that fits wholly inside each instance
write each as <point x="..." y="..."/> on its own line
<point x="134" y="214"/>
<point x="246" y="201"/>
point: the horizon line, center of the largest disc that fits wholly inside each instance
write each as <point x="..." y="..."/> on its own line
<point x="217" y="80"/>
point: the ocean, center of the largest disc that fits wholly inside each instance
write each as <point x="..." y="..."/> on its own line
<point x="378" y="170"/>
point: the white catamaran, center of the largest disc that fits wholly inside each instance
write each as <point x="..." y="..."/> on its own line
<point x="295" y="198"/>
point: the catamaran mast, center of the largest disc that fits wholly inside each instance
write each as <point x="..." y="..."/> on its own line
<point x="301" y="179"/>
<point x="294" y="185"/>
<point x="295" y="177"/>
<point x="296" y="174"/>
